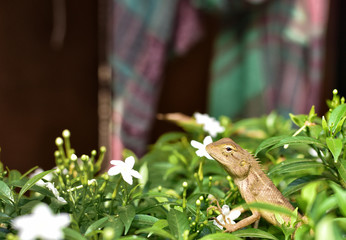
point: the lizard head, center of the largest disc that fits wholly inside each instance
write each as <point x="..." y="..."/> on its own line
<point x="235" y="160"/>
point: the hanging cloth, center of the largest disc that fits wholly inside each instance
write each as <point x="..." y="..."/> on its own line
<point x="143" y="33"/>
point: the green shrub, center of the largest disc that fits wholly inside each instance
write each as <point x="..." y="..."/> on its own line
<point x="170" y="200"/>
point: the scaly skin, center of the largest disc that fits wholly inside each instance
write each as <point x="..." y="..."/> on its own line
<point x="254" y="185"/>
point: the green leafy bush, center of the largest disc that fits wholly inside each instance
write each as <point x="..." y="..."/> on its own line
<point x="173" y="193"/>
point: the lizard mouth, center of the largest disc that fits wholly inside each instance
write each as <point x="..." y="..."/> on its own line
<point x="209" y="148"/>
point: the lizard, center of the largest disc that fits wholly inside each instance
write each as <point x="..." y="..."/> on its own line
<point x="253" y="184"/>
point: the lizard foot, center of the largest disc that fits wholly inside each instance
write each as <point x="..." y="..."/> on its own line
<point x="226" y="218"/>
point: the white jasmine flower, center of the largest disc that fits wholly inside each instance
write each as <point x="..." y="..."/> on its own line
<point x="201" y="152"/>
<point x="125" y="168"/>
<point x="213" y="127"/>
<point x="41" y="224"/>
<point x="201" y="118"/>
<point x="51" y="187"/>
<point x="227" y="215"/>
<point x="210" y="124"/>
<point x="40" y="182"/>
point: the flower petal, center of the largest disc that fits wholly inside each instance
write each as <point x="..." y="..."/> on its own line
<point x="114" y="171"/>
<point x="225" y="210"/>
<point x="201" y="152"/>
<point x="218" y="225"/>
<point x="42" y="223"/>
<point x="196" y="144"/>
<point x="207" y="140"/>
<point x="234" y="214"/>
<point x="130" y="162"/>
<point x="127" y="177"/>
<point x="135" y="174"/>
<point x="117" y="162"/>
<point x="201" y="118"/>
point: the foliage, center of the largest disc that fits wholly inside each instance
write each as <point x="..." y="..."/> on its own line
<point x="172" y="200"/>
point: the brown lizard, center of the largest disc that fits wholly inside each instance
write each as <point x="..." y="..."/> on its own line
<point x="254" y="185"/>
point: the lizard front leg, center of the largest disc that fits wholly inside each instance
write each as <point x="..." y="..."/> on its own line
<point x="243" y="223"/>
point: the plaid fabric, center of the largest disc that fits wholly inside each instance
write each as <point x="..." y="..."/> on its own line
<point x="143" y="30"/>
<point x="268" y="57"/>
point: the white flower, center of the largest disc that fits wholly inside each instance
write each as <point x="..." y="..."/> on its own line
<point x="213" y="128"/>
<point x="201" y="118"/>
<point x="227" y="215"/>
<point x="125" y="168"/>
<point x="201" y="152"/>
<point x="51" y="187"/>
<point x="40" y="182"/>
<point x="210" y="124"/>
<point x="41" y="224"/>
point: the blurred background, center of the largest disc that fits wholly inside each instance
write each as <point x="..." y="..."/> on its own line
<point x="104" y="69"/>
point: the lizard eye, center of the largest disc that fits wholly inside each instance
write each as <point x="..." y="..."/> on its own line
<point x="228" y="149"/>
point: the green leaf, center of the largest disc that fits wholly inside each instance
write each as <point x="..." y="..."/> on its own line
<point x="27" y="208"/>
<point x="254" y="233"/>
<point x="144" y="173"/>
<point x="269" y="142"/>
<point x="221" y="236"/>
<point x="6" y="193"/>
<point x="96" y="225"/>
<point x="116" y="225"/>
<point x="341" y="165"/>
<point x="133" y="237"/>
<point x="142" y="220"/>
<point x="13" y="175"/>
<point x="157" y="231"/>
<point x="127" y="214"/>
<point x="302" y="232"/>
<point x="4" y="218"/>
<point x="280" y="219"/>
<point x="29" y="171"/>
<point x="298" y="120"/>
<point x="270" y="207"/>
<point x="162" y="223"/>
<point x="294" y="165"/>
<point x="327" y="229"/>
<point x="325" y="206"/>
<point x="279" y="141"/>
<point x="312" y="114"/>
<point x="31" y="182"/>
<point x="43" y="190"/>
<point x="298" y="140"/>
<point x="72" y="234"/>
<point x="309" y="192"/>
<point x="335" y="147"/>
<point x="336" y="116"/>
<point x="325" y="125"/>
<point x="169" y="137"/>
<point x="340" y="196"/>
<point x="299" y="183"/>
<point x="339" y="125"/>
<point x="178" y="223"/>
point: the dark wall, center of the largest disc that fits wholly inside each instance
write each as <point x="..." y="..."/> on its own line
<point x="43" y="89"/>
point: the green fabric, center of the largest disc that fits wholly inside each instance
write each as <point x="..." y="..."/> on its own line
<point x="233" y="86"/>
